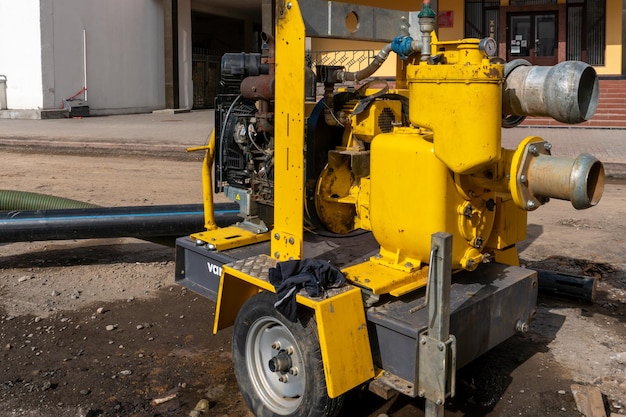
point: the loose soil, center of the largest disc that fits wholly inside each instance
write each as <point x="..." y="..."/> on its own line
<point x="98" y="327"/>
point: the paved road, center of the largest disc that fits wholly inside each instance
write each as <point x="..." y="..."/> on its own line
<point x="168" y="131"/>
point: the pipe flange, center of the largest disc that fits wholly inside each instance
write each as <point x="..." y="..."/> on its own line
<point x="512" y="120"/>
<point x="529" y="149"/>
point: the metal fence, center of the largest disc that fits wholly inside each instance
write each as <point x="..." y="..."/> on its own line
<point x="205" y="73"/>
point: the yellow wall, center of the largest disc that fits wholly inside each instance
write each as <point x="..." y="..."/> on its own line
<point x="388" y="69"/>
<point x="613" y="53"/>
<point x="457" y="31"/>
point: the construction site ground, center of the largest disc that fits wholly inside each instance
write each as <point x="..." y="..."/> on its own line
<point x="98" y="327"/>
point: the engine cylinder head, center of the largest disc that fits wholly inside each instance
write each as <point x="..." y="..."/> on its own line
<point x="568" y="92"/>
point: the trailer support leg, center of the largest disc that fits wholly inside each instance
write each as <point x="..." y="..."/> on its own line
<point x="437" y="348"/>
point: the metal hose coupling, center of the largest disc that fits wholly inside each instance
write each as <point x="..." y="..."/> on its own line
<point x="579" y="180"/>
<point x="537" y="176"/>
<point x="568" y="92"/>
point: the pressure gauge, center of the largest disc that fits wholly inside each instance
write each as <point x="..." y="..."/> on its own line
<point x="488" y="46"/>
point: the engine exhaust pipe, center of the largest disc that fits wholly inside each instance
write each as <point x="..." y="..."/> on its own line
<point x="579" y="180"/>
<point x="568" y="92"/>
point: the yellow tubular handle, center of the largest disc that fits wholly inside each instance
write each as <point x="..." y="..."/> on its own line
<point x="207" y="182"/>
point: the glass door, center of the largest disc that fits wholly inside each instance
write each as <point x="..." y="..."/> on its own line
<point x="533" y="36"/>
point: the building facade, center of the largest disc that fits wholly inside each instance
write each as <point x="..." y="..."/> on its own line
<point x="143" y="55"/>
<point x="53" y="49"/>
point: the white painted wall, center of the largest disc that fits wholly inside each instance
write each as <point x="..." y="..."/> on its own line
<point x="41" y="53"/>
<point x="125" y="53"/>
<point x="185" y="82"/>
<point x="20" y="53"/>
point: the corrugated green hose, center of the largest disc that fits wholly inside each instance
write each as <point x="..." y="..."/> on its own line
<point x="11" y="200"/>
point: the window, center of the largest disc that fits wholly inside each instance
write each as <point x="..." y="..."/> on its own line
<point x="586" y="30"/>
<point x="586" y="25"/>
<point x="482" y="18"/>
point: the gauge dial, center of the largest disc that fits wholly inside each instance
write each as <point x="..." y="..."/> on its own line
<point x="488" y="46"/>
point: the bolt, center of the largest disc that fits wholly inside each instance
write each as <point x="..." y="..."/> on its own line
<point x="293" y="371"/>
<point x="521" y="326"/>
<point x="439" y="402"/>
<point x="478" y="242"/>
<point x="210" y="246"/>
<point x="283" y="378"/>
<point x="408" y="265"/>
<point x="470" y="263"/>
<point x="532" y="149"/>
<point x="276" y="254"/>
<point x="468" y="211"/>
<point x="423" y="341"/>
<point x="276" y="236"/>
<point x="523" y="178"/>
<point x="291" y="241"/>
<point x="440" y="346"/>
<point x="421" y="394"/>
<point x="378" y="256"/>
<point x="547" y="146"/>
<point x="199" y="242"/>
<point x="289" y="5"/>
<point x="530" y="204"/>
<point x="289" y="350"/>
<point x="276" y="345"/>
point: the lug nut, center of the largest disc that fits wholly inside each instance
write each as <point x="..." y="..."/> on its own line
<point x="293" y="371"/>
<point x="276" y="345"/>
<point x="521" y="326"/>
<point x="283" y="378"/>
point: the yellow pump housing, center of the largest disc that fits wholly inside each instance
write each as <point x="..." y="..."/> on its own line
<point x="461" y="102"/>
<point x="451" y="173"/>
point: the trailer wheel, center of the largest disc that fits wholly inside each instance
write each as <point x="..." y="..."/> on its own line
<point x="278" y="363"/>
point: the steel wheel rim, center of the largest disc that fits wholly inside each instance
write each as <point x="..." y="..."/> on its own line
<point x="264" y="336"/>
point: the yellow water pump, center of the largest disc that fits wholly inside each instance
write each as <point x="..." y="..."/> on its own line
<point x="419" y="163"/>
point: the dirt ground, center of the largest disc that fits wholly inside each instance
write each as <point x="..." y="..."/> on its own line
<point x="98" y="327"/>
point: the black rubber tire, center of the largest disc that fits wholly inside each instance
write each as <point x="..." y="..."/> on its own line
<point x="257" y="315"/>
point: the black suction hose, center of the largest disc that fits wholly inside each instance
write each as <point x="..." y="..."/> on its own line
<point x="145" y="222"/>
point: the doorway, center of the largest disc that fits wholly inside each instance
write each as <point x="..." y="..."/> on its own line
<point x="533" y="37"/>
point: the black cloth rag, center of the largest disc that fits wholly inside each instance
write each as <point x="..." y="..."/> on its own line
<point x="314" y="275"/>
